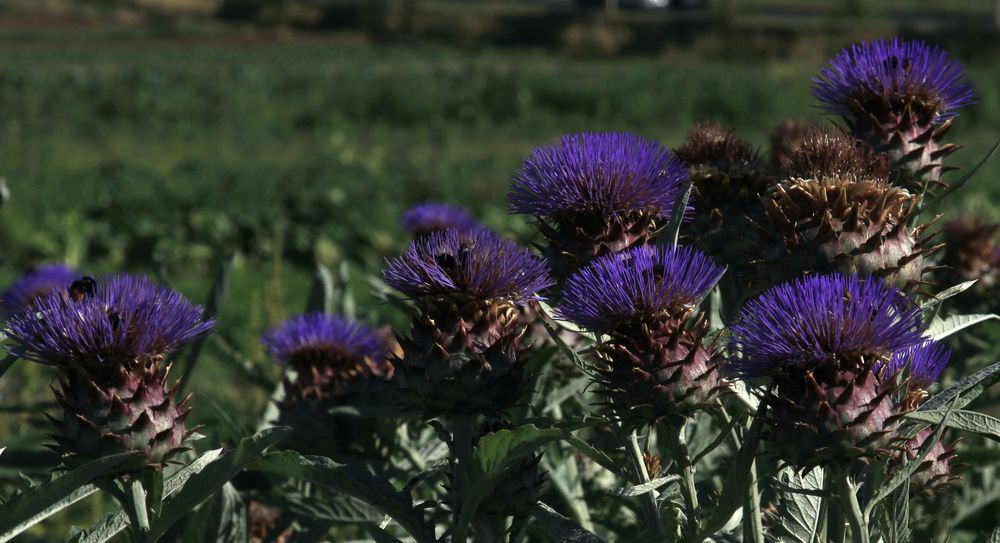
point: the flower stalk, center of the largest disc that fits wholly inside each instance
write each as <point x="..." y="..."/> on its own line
<point x="650" y="510"/>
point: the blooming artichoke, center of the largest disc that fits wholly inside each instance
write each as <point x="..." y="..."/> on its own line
<point x="595" y="194"/>
<point x="655" y="363"/>
<point x="463" y="354"/>
<point x="337" y="363"/>
<point x="824" y="342"/>
<point x="900" y="97"/>
<point x="109" y="340"/>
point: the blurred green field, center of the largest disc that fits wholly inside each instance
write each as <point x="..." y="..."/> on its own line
<point x="164" y="156"/>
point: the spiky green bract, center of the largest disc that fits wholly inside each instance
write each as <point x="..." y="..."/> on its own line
<point x="463" y="354"/>
<point x="337" y="364"/>
<point x="728" y="179"/>
<point x="35" y="282"/>
<point x="430" y="217"/>
<point x="820" y="340"/>
<point x="900" y="97"/>
<point x="108" y="339"/>
<point x="654" y="364"/>
<point x="597" y="193"/>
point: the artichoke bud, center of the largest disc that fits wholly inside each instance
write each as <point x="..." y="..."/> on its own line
<point x="831" y="414"/>
<point x="900" y="97"/>
<point x="786" y="138"/>
<point x="727" y="179"/>
<point x="936" y="472"/>
<point x="970" y="253"/>
<point x="337" y="365"/>
<point x="127" y="409"/>
<point x="841" y="223"/>
<point x="659" y="371"/>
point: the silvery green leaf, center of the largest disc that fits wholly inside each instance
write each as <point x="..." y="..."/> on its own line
<point x="113" y="523"/>
<point x="992" y="537"/>
<point x="560" y="528"/>
<point x="643" y="488"/>
<point x="7" y="362"/>
<point x="942" y="328"/>
<point x="202" y="485"/>
<point x="799" y="513"/>
<point x="46" y="499"/>
<point x="672" y="231"/>
<point x="549" y="313"/>
<point x="494" y="454"/>
<point x="968" y="421"/>
<point x="352" y="481"/>
<point x="216" y="295"/>
<point x="967" y="389"/>
<point x="223" y="519"/>
<point x="741" y="391"/>
<point x="948" y="293"/>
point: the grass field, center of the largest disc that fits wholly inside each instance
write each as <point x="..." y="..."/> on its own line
<point x="165" y="155"/>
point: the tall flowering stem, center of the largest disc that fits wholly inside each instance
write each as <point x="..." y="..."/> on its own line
<point x="655" y="364"/>
<point x="899" y="96"/>
<point x="593" y="194"/>
<point x="463" y="358"/>
<point x="109" y="339"/>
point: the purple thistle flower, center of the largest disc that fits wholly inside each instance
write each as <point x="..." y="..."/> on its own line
<point x="924" y="362"/>
<point x="899" y="97"/>
<point x="894" y="70"/>
<point x="642" y="282"/>
<point x="429" y="217"/>
<point x="34" y="283"/>
<point x="478" y="263"/>
<point x="822" y="319"/>
<point x="312" y="333"/>
<point x="609" y="173"/>
<point x="595" y="194"/>
<point x="111" y="321"/>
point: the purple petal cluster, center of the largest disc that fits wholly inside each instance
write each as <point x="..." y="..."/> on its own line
<point x="428" y="217"/>
<point x="478" y="263"/>
<point x="640" y="282"/>
<point x="34" y="283"/>
<point x="819" y="319"/>
<point x="608" y="173"/>
<point x="924" y="361"/>
<point x="321" y="332"/>
<point x="893" y="69"/>
<point x="113" y="320"/>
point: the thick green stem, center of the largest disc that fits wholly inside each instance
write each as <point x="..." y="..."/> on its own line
<point x="852" y="509"/>
<point x="462" y="429"/>
<point x="137" y="508"/>
<point x="650" y="511"/>
<point x="836" y="528"/>
<point x="677" y="443"/>
<point x="753" y="527"/>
